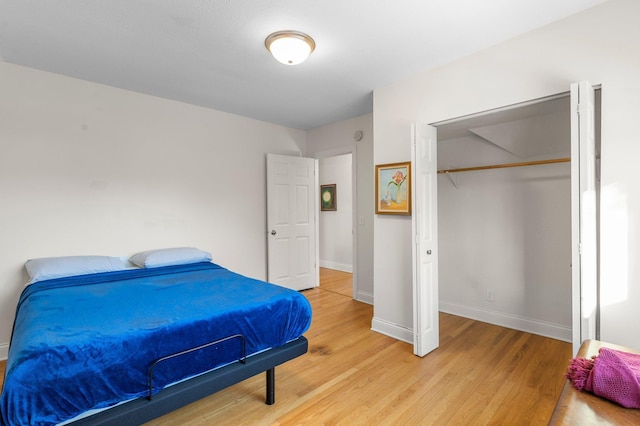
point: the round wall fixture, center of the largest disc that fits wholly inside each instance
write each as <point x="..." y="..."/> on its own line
<point x="357" y="136"/>
<point x="290" y="47"/>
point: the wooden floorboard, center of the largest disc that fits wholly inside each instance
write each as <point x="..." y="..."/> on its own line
<point x="481" y="374"/>
<point x="336" y="281"/>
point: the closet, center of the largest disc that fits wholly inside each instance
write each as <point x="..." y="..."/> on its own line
<point x="504" y="217"/>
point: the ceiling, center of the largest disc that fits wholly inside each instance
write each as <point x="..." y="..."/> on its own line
<point x="211" y="52"/>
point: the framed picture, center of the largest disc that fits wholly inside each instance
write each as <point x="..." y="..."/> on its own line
<point x="328" y="201"/>
<point x="393" y="188"/>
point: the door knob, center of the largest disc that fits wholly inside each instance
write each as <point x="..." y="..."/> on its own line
<point x="273" y="232"/>
<point x="428" y="251"/>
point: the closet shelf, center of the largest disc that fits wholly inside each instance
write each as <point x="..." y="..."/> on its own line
<point x="504" y="166"/>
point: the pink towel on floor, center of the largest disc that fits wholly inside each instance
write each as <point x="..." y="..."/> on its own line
<point x="612" y="374"/>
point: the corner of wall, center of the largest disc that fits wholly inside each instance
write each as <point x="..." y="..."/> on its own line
<point x="364" y="297"/>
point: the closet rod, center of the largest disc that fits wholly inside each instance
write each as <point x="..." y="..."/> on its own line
<point x="504" y="166"/>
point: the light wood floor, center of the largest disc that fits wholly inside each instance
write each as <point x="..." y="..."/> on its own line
<point x="336" y="281"/>
<point x="481" y="374"/>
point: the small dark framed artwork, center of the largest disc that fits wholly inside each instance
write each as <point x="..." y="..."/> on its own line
<point x="328" y="201"/>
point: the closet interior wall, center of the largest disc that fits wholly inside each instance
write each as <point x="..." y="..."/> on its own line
<point x="505" y="233"/>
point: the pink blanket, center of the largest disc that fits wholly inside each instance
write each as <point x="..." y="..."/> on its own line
<point x="614" y="375"/>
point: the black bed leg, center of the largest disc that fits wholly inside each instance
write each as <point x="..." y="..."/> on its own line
<point x="271" y="386"/>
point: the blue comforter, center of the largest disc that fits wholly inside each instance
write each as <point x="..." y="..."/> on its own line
<point x="87" y="342"/>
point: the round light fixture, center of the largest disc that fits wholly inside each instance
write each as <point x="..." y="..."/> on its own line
<point x="290" y="47"/>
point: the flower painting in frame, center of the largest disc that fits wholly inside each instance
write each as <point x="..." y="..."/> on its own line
<point x="393" y="188"/>
<point x="328" y="200"/>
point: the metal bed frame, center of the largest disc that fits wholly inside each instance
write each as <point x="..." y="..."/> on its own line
<point x="143" y="409"/>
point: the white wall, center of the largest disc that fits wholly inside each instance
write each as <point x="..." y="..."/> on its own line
<point x="337" y="138"/>
<point x="599" y="45"/>
<point x="89" y="169"/>
<point x="335" y="230"/>
<point x="505" y="234"/>
<point x="508" y="232"/>
<point x="620" y="212"/>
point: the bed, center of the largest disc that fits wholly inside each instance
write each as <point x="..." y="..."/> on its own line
<point x="126" y="346"/>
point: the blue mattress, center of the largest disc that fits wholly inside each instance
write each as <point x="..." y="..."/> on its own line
<point x="87" y="342"/>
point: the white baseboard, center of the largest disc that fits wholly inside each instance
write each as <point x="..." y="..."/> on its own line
<point x="392" y="330"/>
<point x="4" y="351"/>
<point x="364" y="297"/>
<point x="337" y="266"/>
<point x="542" y="328"/>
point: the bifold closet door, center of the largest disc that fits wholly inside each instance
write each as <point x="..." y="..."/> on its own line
<point x="583" y="214"/>
<point x="426" y="328"/>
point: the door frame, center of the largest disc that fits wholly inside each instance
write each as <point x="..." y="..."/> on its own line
<point x="575" y="296"/>
<point x="351" y="149"/>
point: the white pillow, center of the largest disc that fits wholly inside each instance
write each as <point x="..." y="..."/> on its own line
<point x="47" y="268"/>
<point x="169" y="256"/>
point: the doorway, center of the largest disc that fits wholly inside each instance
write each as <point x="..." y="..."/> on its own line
<point x="336" y="225"/>
<point x="505" y="233"/>
<point x="505" y="242"/>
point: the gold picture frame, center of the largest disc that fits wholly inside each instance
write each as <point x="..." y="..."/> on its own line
<point x="393" y="188"/>
<point x="328" y="198"/>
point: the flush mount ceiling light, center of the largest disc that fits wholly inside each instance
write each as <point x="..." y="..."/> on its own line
<point x="290" y="47"/>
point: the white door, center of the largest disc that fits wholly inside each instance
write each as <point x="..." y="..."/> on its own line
<point x="425" y="239"/>
<point x="583" y="214"/>
<point x="292" y="198"/>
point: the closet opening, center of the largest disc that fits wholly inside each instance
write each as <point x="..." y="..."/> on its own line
<point x="504" y="216"/>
